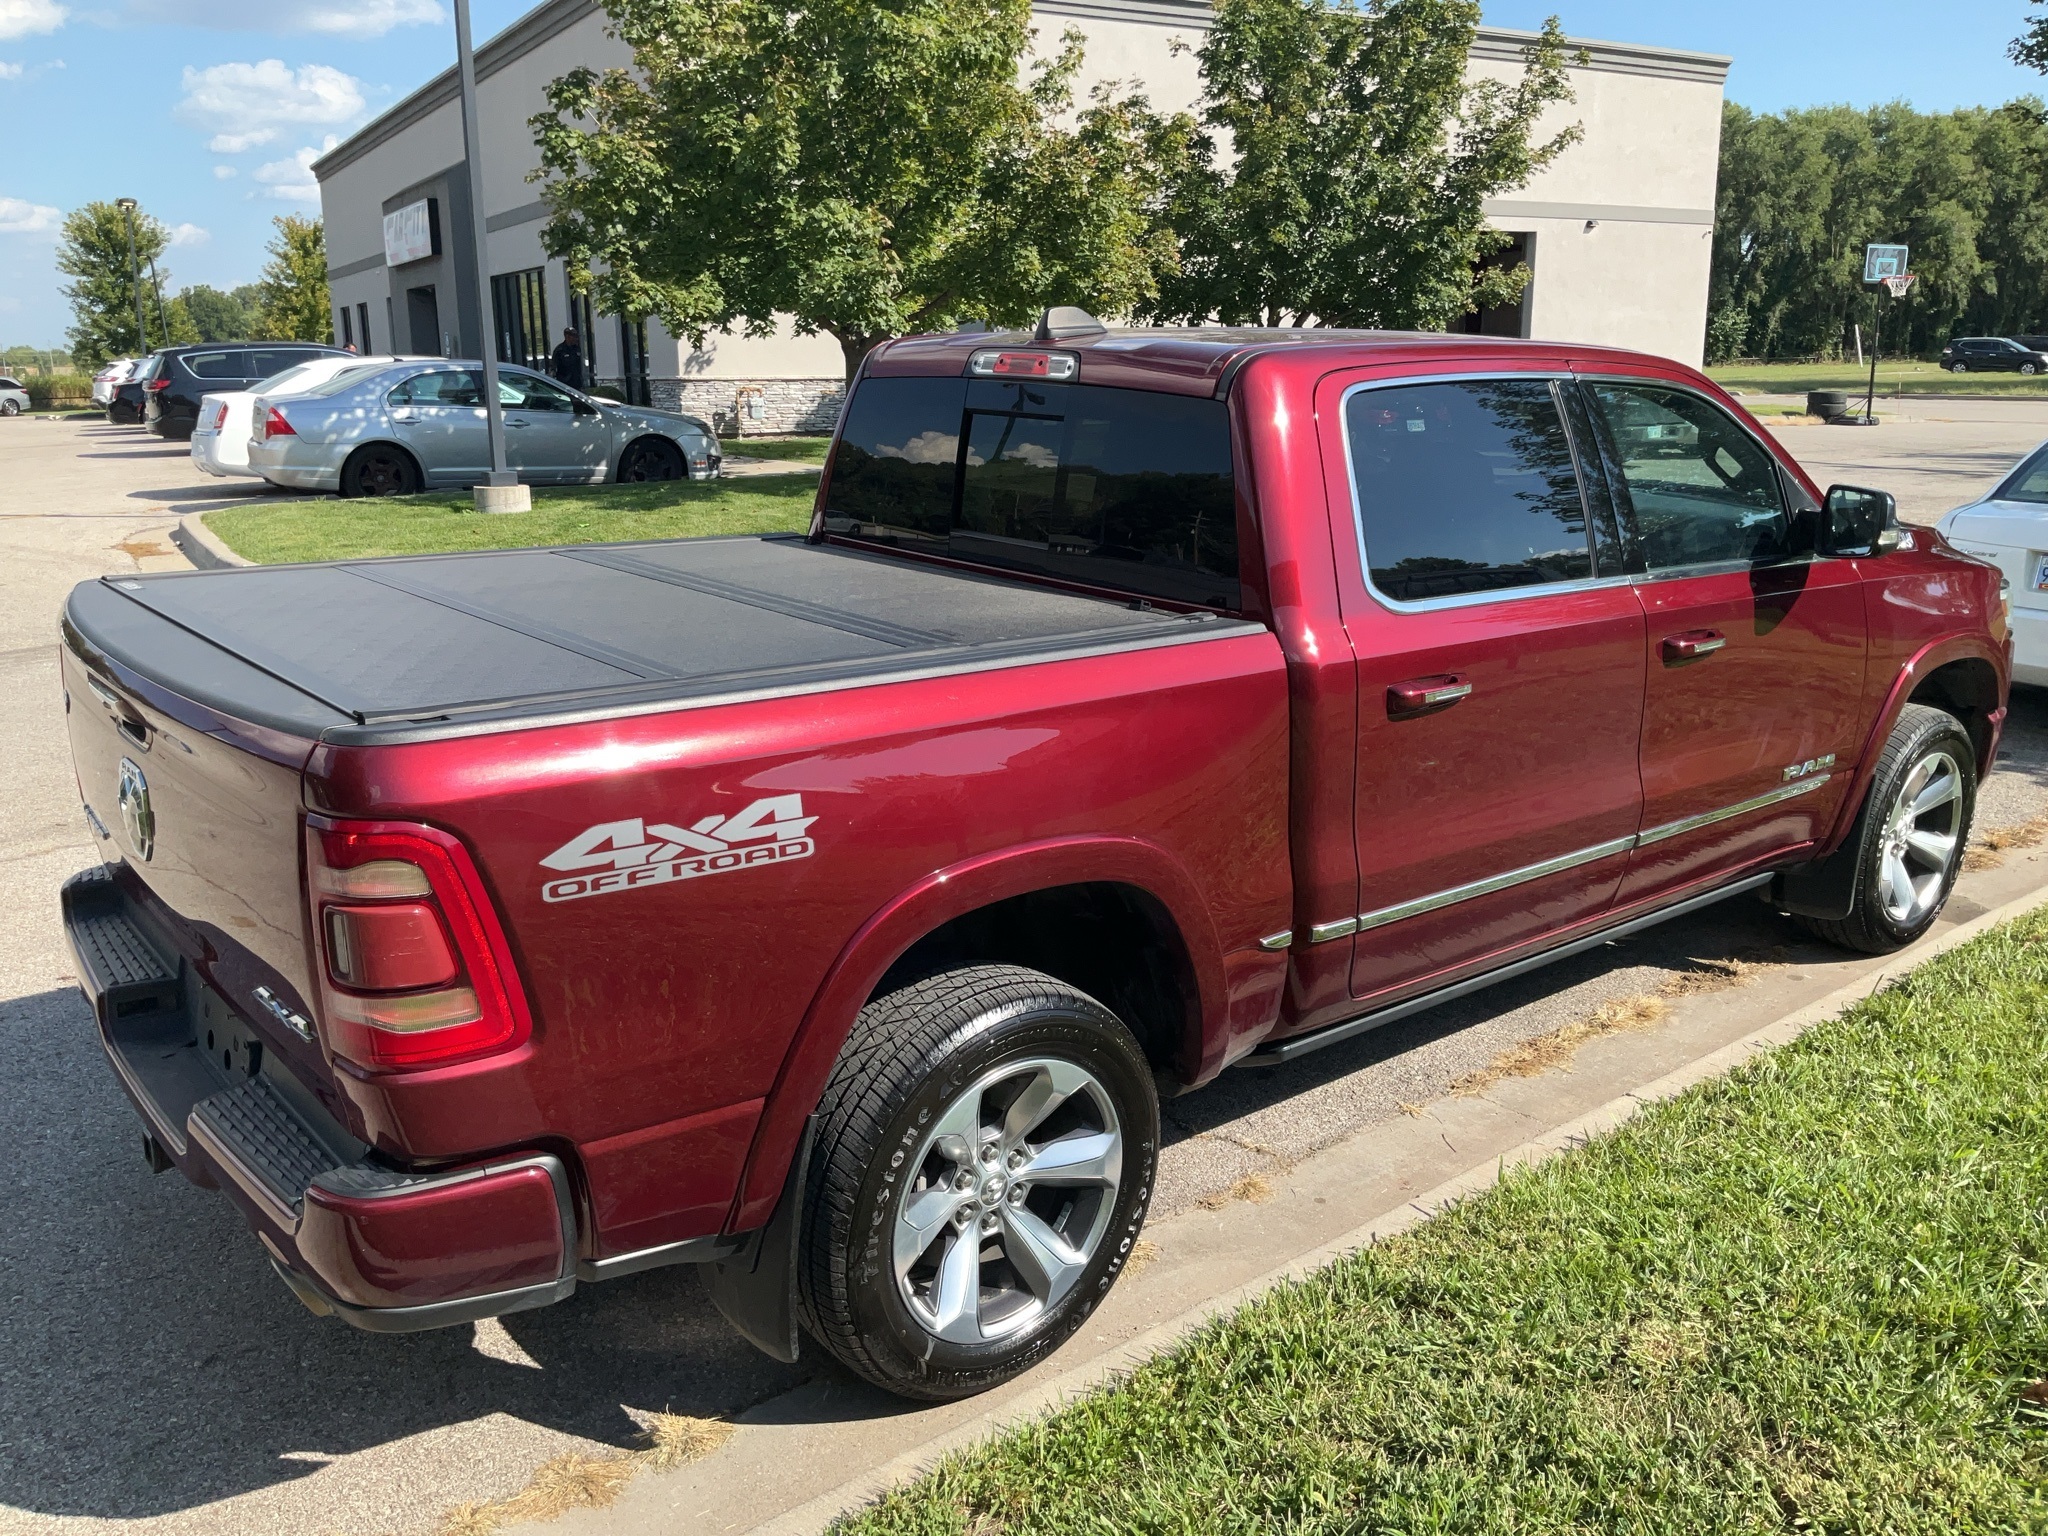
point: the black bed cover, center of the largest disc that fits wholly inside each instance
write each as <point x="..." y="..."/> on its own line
<point x="368" y="650"/>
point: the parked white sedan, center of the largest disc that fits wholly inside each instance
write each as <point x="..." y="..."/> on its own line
<point x="110" y="378"/>
<point x="220" y="438"/>
<point x="2009" y="527"/>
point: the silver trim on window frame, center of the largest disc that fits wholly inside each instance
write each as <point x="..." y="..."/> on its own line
<point x="1344" y="927"/>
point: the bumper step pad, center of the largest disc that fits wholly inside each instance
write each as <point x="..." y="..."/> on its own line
<point x="125" y="966"/>
<point x="252" y="1121"/>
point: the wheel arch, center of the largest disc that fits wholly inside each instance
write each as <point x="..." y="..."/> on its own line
<point x="648" y="434"/>
<point x="1024" y="900"/>
<point x="358" y="449"/>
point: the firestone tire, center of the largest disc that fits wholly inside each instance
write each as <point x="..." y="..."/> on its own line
<point x="1922" y="800"/>
<point x="380" y="470"/>
<point x="931" y="1143"/>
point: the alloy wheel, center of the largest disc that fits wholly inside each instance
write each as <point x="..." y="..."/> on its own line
<point x="1922" y="839"/>
<point x="1010" y="1195"/>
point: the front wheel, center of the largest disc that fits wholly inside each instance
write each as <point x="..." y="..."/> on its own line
<point x="379" y="470"/>
<point x="1957" y="368"/>
<point x="10" y="407"/>
<point x="2029" y="369"/>
<point x="984" y="1159"/>
<point x="651" y="458"/>
<point x="1915" y="827"/>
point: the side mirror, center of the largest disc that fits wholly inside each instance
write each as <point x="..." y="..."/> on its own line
<point x="1855" y="521"/>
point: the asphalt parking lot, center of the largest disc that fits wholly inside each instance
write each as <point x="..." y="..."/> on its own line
<point x="157" y="1376"/>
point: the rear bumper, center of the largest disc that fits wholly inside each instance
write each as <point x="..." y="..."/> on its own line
<point x="387" y="1249"/>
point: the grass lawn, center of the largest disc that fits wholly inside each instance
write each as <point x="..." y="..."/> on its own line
<point x="584" y="514"/>
<point x="1892" y="378"/>
<point x="797" y="450"/>
<point x="1811" y="1297"/>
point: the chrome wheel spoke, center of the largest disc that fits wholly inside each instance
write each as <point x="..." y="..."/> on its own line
<point x="1079" y="1159"/>
<point x="1050" y="1087"/>
<point x="956" y="1293"/>
<point x="1934" y="847"/>
<point x="926" y="1213"/>
<point x="1040" y="1256"/>
<point x="961" y="1119"/>
<point x="1899" y="886"/>
<point x="1933" y="796"/>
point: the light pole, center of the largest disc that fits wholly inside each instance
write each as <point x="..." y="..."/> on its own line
<point x="501" y="492"/>
<point x="127" y="207"/>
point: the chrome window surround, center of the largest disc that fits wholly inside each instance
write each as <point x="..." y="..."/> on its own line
<point x="1544" y="589"/>
<point x="1344" y="927"/>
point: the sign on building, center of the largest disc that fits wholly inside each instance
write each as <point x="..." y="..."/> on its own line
<point x="1883" y="261"/>
<point x="412" y="233"/>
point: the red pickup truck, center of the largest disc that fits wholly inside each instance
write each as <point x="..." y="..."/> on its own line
<point x="832" y="910"/>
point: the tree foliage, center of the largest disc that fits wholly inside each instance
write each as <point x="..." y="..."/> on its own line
<point x="1802" y="192"/>
<point x="867" y="169"/>
<point x="291" y="294"/>
<point x="92" y="251"/>
<point x="2031" y="46"/>
<point x="218" y="316"/>
<point x="1343" y="163"/>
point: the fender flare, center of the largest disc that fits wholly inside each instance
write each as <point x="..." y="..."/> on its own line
<point x="934" y="900"/>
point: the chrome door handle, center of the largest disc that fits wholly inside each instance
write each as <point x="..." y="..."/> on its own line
<point x="511" y="421"/>
<point x="1693" y="644"/>
<point x="1426" y="693"/>
<point x="405" y="418"/>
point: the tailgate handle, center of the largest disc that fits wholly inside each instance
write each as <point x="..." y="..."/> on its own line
<point x="1426" y="693"/>
<point x="134" y="730"/>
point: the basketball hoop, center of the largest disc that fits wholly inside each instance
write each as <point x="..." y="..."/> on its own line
<point x="1901" y="284"/>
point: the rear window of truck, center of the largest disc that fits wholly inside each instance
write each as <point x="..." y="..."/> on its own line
<point x="1117" y="488"/>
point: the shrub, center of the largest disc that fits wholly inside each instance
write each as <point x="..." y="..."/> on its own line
<point x="52" y="390"/>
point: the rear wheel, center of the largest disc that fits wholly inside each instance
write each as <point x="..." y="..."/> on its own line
<point x="10" y="407"/>
<point x="651" y="458"/>
<point x="1957" y="368"/>
<point x="380" y="470"/>
<point x="1914" y="832"/>
<point x="983" y="1163"/>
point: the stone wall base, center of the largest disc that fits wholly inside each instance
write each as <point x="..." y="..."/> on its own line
<point x="754" y="407"/>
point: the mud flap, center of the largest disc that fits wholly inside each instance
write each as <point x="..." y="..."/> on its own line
<point x="756" y="1287"/>
<point x="1826" y="888"/>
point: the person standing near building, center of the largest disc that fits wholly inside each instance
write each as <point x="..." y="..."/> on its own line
<point x="568" y="359"/>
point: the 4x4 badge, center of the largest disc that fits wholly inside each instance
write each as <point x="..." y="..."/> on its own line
<point x="635" y="853"/>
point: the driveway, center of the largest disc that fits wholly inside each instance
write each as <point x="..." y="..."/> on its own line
<point x="159" y="1378"/>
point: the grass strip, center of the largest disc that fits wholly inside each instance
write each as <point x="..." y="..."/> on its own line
<point x="1812" y="1296"/>
<point x="326" y="529"/>
<point x="795" y="450"/>
<point x="1907" y="378"/>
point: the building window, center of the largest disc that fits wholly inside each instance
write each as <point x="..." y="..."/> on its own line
<point x="519" y="306"/>
<point x="346" y="338"/>
<point x="633" y="383"/>
<point x="363" y="325"/>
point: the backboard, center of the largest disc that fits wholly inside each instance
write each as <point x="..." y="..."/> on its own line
<point x="1883" y="261"/>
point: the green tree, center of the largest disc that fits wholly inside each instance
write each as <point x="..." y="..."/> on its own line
<point x="292" y="292"/>
<point x="868" y="169"/>
<point x="215" y="315"/>
<point x="93" y="252"/>
<point x="1343" y="163"/>
<point x="2031" y="46"/>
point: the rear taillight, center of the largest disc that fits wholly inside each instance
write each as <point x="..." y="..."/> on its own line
<point x="156" y="384"/>
<point x="413" y="966"/>
<point x="220" y="416"/>
<point x="274" y="424"/>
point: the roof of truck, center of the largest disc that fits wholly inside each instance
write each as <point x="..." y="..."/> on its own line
<point x="1201" y="360"/>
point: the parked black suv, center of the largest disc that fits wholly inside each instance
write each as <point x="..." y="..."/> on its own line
<point x="1991" y="354"/>
<point x="183" y="374"/>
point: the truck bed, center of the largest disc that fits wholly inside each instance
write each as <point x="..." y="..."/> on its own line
<point x="369" y="650"/>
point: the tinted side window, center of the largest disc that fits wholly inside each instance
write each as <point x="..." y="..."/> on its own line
<point x="2027" y="483"/>
<point x="265" y="361"/>
<point x="214" y="365"/>
<point x="1703" y="490"/>
<point x="454" y="386"/>
<point x="1113" y="487"/>
<point x="1465" y="488"/>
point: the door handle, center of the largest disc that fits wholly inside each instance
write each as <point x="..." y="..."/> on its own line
<point x="514" y="421"/>
<point x="405" y="418"/>
<point x="1693" y="644"/>
<point x="1426" y="693"/>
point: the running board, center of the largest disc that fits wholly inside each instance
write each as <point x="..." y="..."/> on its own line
<point x="1284" y="1051"/>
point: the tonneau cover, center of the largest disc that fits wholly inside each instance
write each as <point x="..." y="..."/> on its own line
<point x="365" y="646"/>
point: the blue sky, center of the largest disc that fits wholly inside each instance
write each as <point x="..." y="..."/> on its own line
<point x="211" y="125"/>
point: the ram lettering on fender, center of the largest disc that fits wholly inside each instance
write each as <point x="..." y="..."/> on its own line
<point x="635" y="853"/>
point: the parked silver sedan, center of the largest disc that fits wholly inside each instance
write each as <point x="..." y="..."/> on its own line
<point x="412" y="426"/>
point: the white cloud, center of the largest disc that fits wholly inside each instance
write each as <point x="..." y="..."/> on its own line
<point x="224" y="173"/>
<point x="20" y="18"/>
<point x="9" y="71"/>
<point x="189" y="234"/>
<point x="250" y="104"/>
<point x="18" y="217"/>
<point x="292" y="180"/>
<point x="327" y="18"/>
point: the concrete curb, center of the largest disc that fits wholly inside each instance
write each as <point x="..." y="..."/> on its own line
<point x="202" y="546"/>
<point x="813" y="1517"/>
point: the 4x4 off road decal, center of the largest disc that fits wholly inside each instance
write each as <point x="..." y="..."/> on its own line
<point x="639" y="853"/>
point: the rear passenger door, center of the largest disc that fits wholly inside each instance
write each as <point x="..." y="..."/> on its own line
<point x="440" y="417"/>
<point x="1500" y="673"/>
<point x="1754" y="649"/>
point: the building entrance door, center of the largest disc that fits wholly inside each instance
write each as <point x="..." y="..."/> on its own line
<point x="423" y="316"/>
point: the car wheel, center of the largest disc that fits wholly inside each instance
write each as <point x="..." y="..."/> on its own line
<point x="10" y="407"/>
<point x="2028" y="369"/>
<point x="651" y="458"/>
<point x="1915" y="828"/>
<point x="380" y="470"/>
<point x="1957" y="368"/>
<point x="984" y="1158"/>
